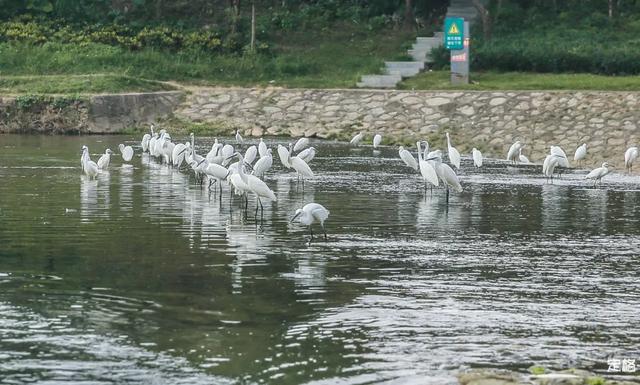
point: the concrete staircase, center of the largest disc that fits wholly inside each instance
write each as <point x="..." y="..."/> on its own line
<point x="395" y="71"/>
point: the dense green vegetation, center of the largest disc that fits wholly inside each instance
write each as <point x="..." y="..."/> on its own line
<point x="77" y="84"/>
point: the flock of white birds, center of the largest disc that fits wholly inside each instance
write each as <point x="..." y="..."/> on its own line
<point x="244" y="173"/>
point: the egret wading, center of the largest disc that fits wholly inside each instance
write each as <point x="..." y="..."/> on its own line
<point x="598" y="173"/>
<point x="377" y="139"/>
<point x="630" y="156"/>
<point x="105" y="159"/>
<point x="454" y="155"/>
<point x="239" y="139"/>
<point x="356" y="139"/>
<point x="407" y="158"/>
<point x="311" y="213"/>
<point x="89" y="167"/>
<point x="255" y="185"/>
<point x="447" y="175"/>
<point x="522" y="158"/>
<point x="427" y="170"/>
<point x="581" y="153"/>
<point x="301" y="144"/>
<point x="514" y="151"/>
<point x="126" y="152"/>
<point x="477" y="157"/>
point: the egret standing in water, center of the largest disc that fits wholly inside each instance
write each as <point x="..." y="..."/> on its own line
<point x="103" y="161"/>
<point x="145" y="140"/>
<point x="427" y="169"/>
<point x="310" y="213"/>
<point x="239" y="139"/>
<point x="477" y="157"/>
<point x="126" y="152"/>
<point x="581" y="153"/>
<point x="447" y="175"/>
<point x="522" y="158"/>
<point x="255" y="185"/>
<point x="630" y="156"/>
<point x="262" y="148"/>
<point x="301" y="144"/>
<point x="377" y="139"/>
<point x="454" y="155"/>
<point x="598" y="173"/>
<point x="307" y="154"/>
<point x="89" y="167"/>
<point x="514" y="150"/>
<point x="356" y="139"/>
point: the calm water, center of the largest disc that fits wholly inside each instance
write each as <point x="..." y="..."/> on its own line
<point x="144" y="277"/>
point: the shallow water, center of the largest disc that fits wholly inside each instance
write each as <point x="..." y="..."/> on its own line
<point x="145" y="277"/>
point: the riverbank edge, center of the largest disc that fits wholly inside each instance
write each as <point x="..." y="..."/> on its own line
<point x="488" y="120"/>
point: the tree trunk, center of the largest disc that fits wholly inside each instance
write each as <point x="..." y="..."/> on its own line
<point x="408" y="15"/>
<point x="235" y="9"/>
<point x="253" y="27"/>
<point x="611" y="7"/>
<point x="485" y="16"/>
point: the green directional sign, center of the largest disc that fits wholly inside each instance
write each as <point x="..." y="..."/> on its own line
<point x="454" y="33"/>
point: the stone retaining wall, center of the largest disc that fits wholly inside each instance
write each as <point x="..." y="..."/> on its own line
<point x="490" y="121"/>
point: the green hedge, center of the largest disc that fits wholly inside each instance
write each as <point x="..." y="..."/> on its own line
<point x="48" y="31"/>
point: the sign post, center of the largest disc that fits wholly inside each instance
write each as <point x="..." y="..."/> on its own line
<point x="456" y="39"/>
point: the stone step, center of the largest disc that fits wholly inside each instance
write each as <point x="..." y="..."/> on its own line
<point x="425" y="47"/>
<point x="404" y="68"/>
<point x="379" y="81"/>
<point x="420" y="55"/>
<point x="429" y="40"/>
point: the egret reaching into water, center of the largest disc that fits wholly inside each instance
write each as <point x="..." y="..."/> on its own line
<point x="356" y="139"/>
<point x="446" y="174"/>
<point x="477" y="157"/>
<point x="103" y="161"/>
<point x="407" y="158"/>
<point x="563" y="161"/>
<point x="126" y="152"/>
<point x="255" y="185"/>
<point x="310" y="213"/>
<point x="89" y="167"/>
<point x="301" y="144"/>
<point x="454" y="155"/>
<point x="377" y="139"/>
<point x="239" y="139"/>
<point x="630" y="156"/>
<point x="549" y="165"/>
<point x="514" y="150"/>
<point x="581" y="153"/>
<point x="598" y="173"/>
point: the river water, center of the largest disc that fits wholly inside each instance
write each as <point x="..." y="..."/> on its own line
<point x="145" y="277"/>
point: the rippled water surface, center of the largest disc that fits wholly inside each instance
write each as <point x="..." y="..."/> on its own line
<point x="145" y="277"/>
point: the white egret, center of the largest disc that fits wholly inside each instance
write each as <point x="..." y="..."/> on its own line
<point x="447" y="175"/>
<point x="377" y="139"/>
<point x="307" y="154"/>
<point x="214" y="155"/>
<point x="89" y="167"/>
<point x="598" y="173"/>
<point x="549" y="165"/>
<point x="514" y="150"/>
<point x="228" y="150"/>
<point x="563" y="161"/>
<point x="216" y="173"/>
<point x="581" y="153"/>
<point x="522" y="158"/>
<point x="239" y="139"/>
<point x="103" y="161"/>
<point x="152" y="143"/>
<point x="250" y="154"/>
<point x="477" y="157"/>
<point x="284" y="155"/>
<point x="454" y="155"/>
<point x="255" y="185"/>
<point x="629" y="157"/>
<point x="356" y="139"/>
<point x="310" y="213"/>
<point x="262" y="148"/>
<point x="407" y="158"/>
<point x="301" y="144"/>
<point x="427" y="169"/>
<point x="178" y="155"/>
<point x="145" y="140"/>
<point x="126" y="152"/>
<point x="263" y="164"/>
<point x="301" y="167"/>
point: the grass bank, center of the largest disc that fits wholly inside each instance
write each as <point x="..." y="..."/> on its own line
<point x="322" y="59"/>
<point x="481" y="81"/>
<point x="77" y="84"/>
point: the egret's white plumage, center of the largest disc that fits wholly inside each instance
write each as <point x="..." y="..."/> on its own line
<point x="263" y="164"/>
<point x="629" y="157"/>
<point x="581" y="153"/>
<point x="446" y="174"/>
<point x="377" y="139"/>
<point x="549" y="165"/>
<point x="239" y="139"/>
<point x="250" y="154"/>
<point x="104" y="160"/>
<point x="356" y="139"/>
<point x="126" y="152"/>
<point x="514" y="150"/>
<point x="598" y="173"/>
<point x="262" y="148"/>
<point x="301" y="144"/>
<point x="454" y="155"/>
<point x="562" y="156"/>
<point x="477" y="157"/>
<point x="301" y="167"/>
<point x="523" y="159"/>
<point x="217" y="172"/>
<point x="255" y="184"/>
<point x="89" y="167"/>
<point x="227" y="150"/>
<point x="407" y="158"/>
<point x="427" y="170"/>
<point x="307" y="154"/>
<point x="177" y="157"/>
<point x="284" y="155"/>
<point x="311" y="213"/>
